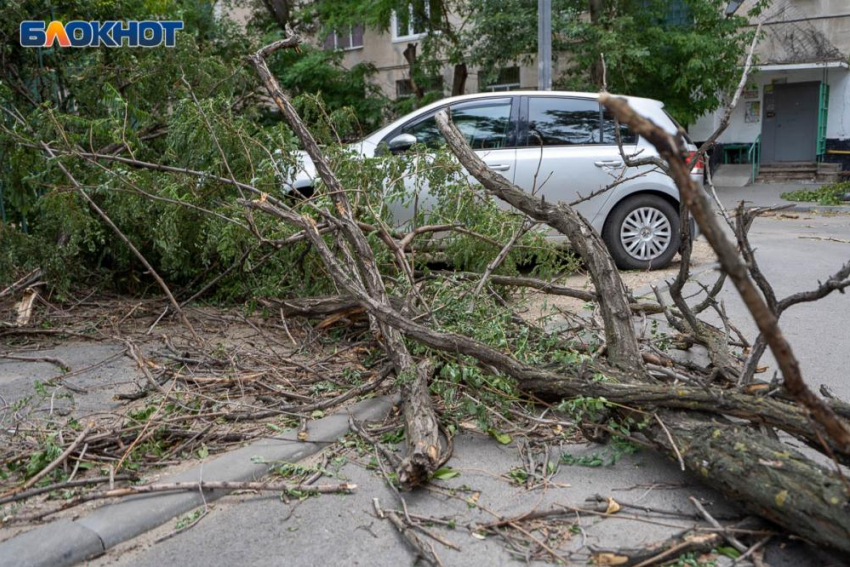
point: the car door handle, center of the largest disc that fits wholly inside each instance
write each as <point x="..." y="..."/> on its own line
<point x="608" y="163"/>
<point x="499" y="166"/>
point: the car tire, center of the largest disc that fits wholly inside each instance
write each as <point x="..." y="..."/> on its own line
<point x="642" y="232"/>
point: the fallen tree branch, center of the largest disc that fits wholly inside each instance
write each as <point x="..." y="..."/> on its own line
<point x="619" y="332"/>
<point x="81" y="191"/>
<point x="139" y="256"/>
<point x="669" y="148"/>
<point x="48" y="359"/>
<point x="422" y="433"/>
<point x="63" y="486"/>
<point x="733" y="541"/>
<point x="837" y="282"/>
<point x="660" y="552"/>
<point x="57" y="461"/>
<point x="422" y="550"/>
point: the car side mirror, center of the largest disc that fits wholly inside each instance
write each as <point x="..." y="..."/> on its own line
<point x="402" y="143"/>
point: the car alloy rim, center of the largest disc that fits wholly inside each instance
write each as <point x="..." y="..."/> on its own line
<point x="645" y="233"/>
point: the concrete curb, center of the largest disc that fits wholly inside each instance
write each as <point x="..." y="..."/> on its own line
<point x="796" y="206"/>
<point x="67" y="542"/>
<point x="820" y="209"/>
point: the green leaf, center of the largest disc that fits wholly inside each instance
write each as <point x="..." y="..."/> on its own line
<point x="445" y="473"/>
<point x="317" y="414"/>
<point x="502" y="438"/>
<point x="730" y="552"/>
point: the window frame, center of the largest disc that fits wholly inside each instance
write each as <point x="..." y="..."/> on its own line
<point x="524" y="130"/>
<point x="351" y="47"/>
<point x="399" y="96"/>
<point x="394" y="31"/>
<point x="505" y="87"/>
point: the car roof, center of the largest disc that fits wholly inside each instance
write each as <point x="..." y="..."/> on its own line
<point x="505" y="94"/>
<point x="641" y="103"/>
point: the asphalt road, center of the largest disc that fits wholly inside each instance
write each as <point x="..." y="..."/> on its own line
<point x="795" y="252"/>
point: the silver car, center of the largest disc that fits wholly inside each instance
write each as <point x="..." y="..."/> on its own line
<point x="563" y="146"/>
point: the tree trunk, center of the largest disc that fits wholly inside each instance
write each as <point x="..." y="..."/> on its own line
<point x="279" y="10"/>
<point x="597" y="70"/>
<point x="459" y="79"/>
<point x="421" y="428"/>
<point x="763" y="475"/>
<point x="410" y="57"/>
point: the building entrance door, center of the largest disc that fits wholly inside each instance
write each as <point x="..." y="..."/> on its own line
<point x="790" y="123"/>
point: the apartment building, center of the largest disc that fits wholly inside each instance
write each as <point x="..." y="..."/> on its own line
<point x="385" y="50"/>
<point x="794" y="115"/>
<point x="793" y="111"/>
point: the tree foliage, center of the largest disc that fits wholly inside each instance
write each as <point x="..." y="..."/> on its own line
<point x="686" y="53"/>
<point x="683" y="52"/>
<point x="197" y="107"/>
<point x="140" y="103"/>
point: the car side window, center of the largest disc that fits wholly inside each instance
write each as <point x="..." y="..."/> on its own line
<point x="426" y="132"/>
<point x="485" y="126"/>
<point x="563" y="121"/>
<point x="572" y="121"/>
<point x="609" y="135"/>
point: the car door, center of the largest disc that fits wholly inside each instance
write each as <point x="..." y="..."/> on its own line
<point x="568" y="151"/>
<point x="489" y="126"/>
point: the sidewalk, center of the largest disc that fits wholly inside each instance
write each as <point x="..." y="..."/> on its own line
<point x="768" y="194"/>
<point x="65" y="542"/>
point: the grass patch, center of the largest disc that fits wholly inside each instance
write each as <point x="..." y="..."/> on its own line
<point x="827" y="195"/>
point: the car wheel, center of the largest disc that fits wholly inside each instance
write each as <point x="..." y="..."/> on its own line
<point x="642" y="233"/>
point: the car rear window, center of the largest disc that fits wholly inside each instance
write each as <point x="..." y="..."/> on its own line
<point x="678" y="127"/>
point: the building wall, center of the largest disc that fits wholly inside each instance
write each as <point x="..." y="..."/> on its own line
<point x="387" y="55"/>
<point x="805" y="36"/>
<point x="742" y="132"/>
<point x="825" y="33"/>
<point x="380" y="50"/>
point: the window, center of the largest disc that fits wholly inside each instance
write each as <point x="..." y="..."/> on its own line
<point x="485" y="125"/>
<point x="352" y="39"/>
<point x="609" y="136"/>
<point x="732" y="7"/>
<point x="506" y="80"/>
<point x="679" y="14"/>
<point x="570" y="121"/>
<point x="563" y="121"/>
<point x="404" y="87"/>
<point x="414" y="22"/>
